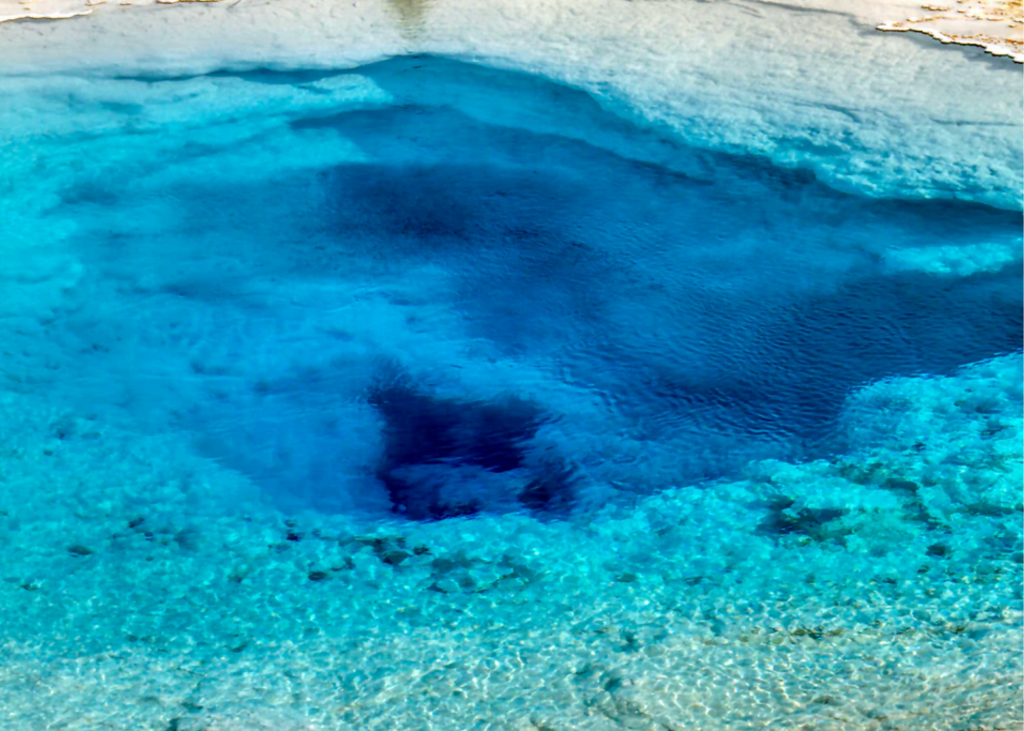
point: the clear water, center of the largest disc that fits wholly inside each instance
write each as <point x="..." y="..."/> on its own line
<point x="429" y="375"/>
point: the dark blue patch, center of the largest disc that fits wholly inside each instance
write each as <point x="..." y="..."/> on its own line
<point x="422" y="430"/>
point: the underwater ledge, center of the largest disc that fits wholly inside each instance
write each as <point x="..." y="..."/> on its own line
<point x="868" y="111"/>
<point x="775" y="592"/>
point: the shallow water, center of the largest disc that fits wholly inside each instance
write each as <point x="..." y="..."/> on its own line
<point x="427" y="373"/>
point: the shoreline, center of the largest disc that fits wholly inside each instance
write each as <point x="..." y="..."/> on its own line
<point x="866" y="112"/>
<point x="997" y="26"/>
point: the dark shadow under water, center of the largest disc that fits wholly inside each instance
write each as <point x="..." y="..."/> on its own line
<point x="719" y="310"/>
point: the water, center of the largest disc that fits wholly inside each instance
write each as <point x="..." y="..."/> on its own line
<point x="426" y="374"/>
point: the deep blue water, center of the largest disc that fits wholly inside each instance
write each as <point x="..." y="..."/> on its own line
<point x="484" y="313"/>
<point x="427" y="395"/>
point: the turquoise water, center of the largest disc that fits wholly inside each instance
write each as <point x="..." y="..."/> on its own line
<point x="427" y="395"/>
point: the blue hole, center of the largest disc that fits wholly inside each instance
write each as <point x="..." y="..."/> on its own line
<point x="577" y="308"/>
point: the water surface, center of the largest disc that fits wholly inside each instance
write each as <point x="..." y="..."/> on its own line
<point x="445" y="376"/>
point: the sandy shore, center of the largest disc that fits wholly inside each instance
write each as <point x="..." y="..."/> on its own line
<point x="995" y="25"/>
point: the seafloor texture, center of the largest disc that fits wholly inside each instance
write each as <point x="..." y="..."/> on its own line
<point x="435" y="396"/>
